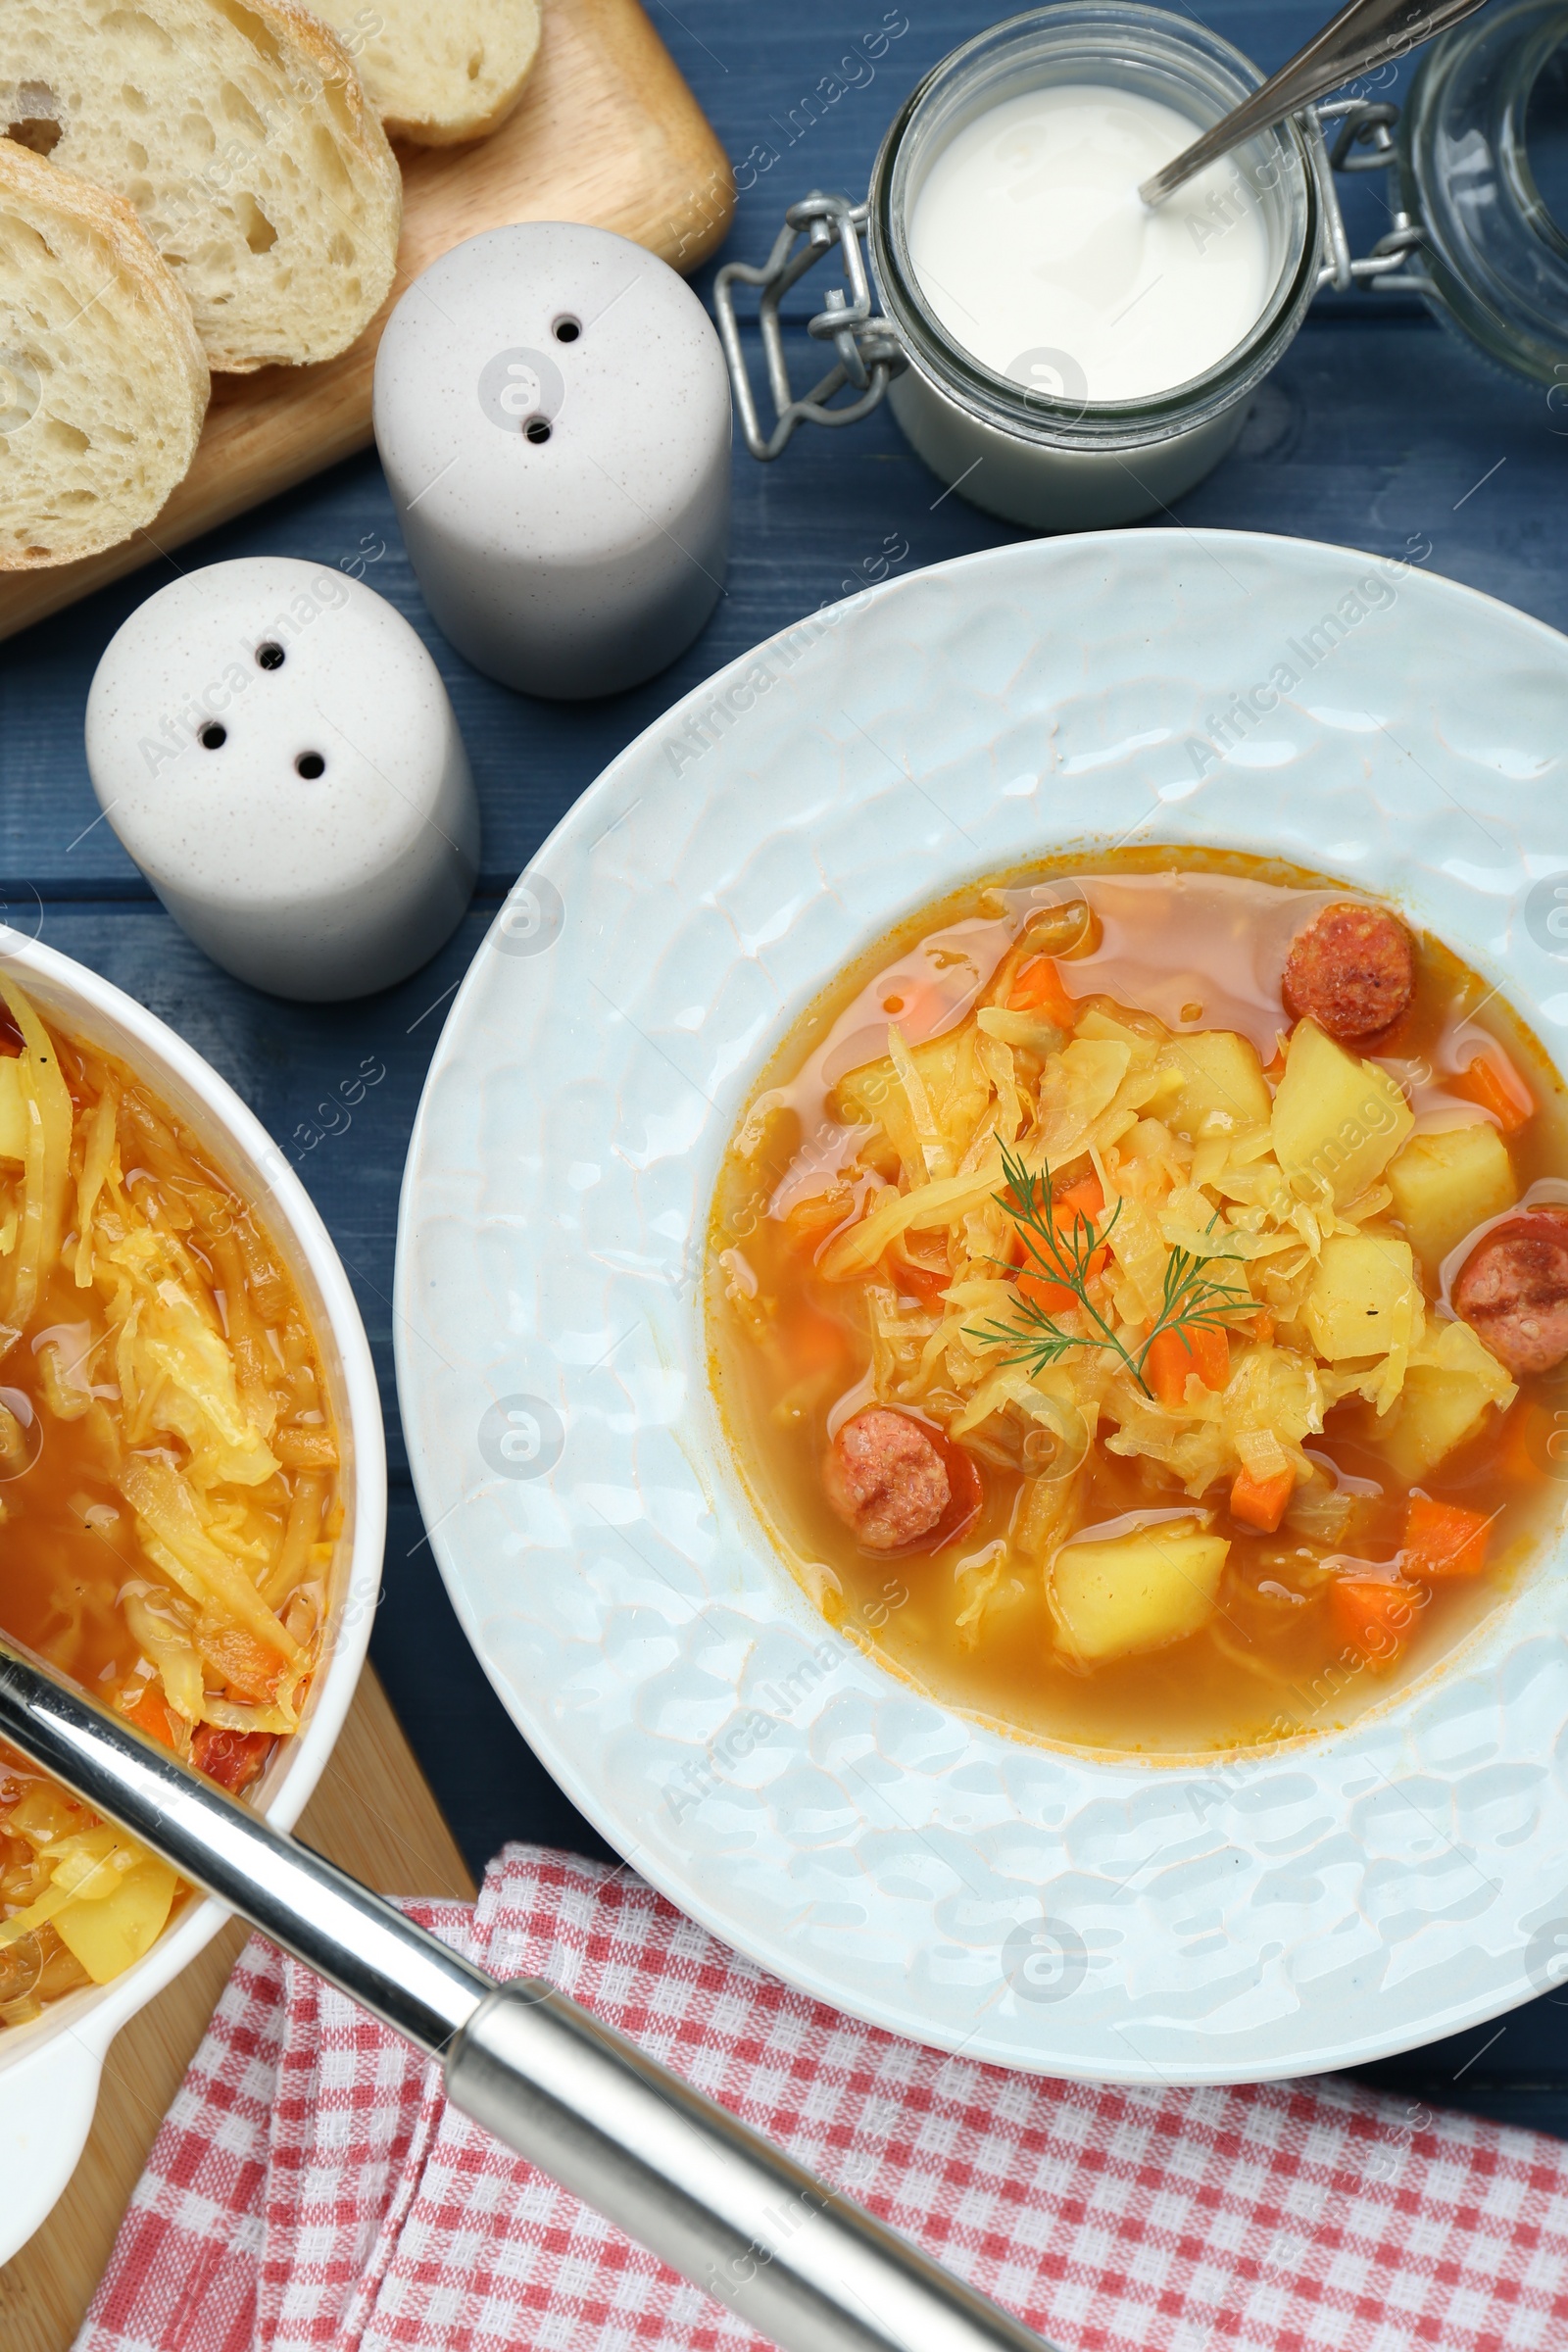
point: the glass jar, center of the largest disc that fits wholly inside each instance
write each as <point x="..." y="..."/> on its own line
<point x="1039" y="452"/>
<point x="1051" y="456"/>
<point x="1484" y="167"/>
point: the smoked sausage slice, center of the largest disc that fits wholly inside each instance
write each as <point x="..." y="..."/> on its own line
<point x="1352" y="971"/>
<point x="885" y="1477"/>
<point x="1513" y="1291"/>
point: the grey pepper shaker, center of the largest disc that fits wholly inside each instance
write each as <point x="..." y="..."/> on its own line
<point x="553" y="412"/>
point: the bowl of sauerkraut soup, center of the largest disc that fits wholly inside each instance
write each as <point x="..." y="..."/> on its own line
<point x="192" y="1499"/>
<point x="983" y="1288"/>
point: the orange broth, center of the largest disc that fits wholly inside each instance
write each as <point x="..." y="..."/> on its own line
<point x="1198" y="941"/>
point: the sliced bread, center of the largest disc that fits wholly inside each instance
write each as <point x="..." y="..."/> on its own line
<point x="439" y="71"/>
<point x="239" y="132"/>
<point x="103" y="382"/>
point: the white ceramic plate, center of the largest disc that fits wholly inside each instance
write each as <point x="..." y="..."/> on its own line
<point x="49" y="2070"/>
<point x="1315" y="1907"/>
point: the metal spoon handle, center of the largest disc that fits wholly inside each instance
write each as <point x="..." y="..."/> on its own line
<point x="1366" y="34"/>
<point x="791" y="2257"/>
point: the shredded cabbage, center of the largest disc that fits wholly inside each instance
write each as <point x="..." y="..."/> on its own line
<point x="177" y="1410"/>
<point x="1094" y="1100"/>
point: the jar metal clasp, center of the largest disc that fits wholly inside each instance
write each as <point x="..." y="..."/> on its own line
<point x="869" y="353"/>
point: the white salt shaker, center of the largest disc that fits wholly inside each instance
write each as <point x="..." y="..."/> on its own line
<point x="551" y="409"/>
<point x="274" y="747"/>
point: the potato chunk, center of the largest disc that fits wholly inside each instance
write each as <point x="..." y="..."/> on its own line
<point x="1363" y="1295"/>
<point x="1223" y="1087"/>
<point x="1337" y="1120"/>
<point x="108" y="1935"/>
<point x="1445" y="1184"/>
<point x="1135" y="1592"/>
<point x="1443" y="1401"/>
<point x="1436" y="1412"/>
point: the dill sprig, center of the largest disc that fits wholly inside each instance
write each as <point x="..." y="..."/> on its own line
<point x="1192" y="1298"/>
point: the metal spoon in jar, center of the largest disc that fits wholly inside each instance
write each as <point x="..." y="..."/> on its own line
<point x="1366" y="34"/>
<point x="790" y="2256"/>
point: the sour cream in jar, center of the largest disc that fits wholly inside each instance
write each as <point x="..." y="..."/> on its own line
<point x="1033" y="248"/>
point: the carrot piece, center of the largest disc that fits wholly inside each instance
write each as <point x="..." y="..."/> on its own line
<point x="1039" y="1290"/>
<point x="1371" y="1617"/>
<point x="1077" y="1205"/>
<point x="1166" y="1368"/>
<point x="232" y="1758"/>
<point x="906" y="1274"/>
<point x="150" y="1714"/>
<point x="1492" y="1080"/>
<point x="1037" y="988"/>
<point x="1212" y="1352"/>
<point x="1441" y="1538"/>
<point x="1262" y="1327"/>
<point x="1187" y="1347"/>
<point x="1085" y="1199"/>
<point x="1260" y="1502"/>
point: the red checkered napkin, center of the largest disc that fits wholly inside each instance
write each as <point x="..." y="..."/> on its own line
<point x="311" y="2187"/>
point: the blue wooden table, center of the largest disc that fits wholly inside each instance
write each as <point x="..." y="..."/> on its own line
<point x="1378" y="427"/>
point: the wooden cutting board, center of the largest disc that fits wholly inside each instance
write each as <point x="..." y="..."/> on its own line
<point x="607" y="132"/>
<point x="373" y="1813"/>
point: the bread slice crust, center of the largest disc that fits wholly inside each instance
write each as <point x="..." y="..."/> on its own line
<point x="239" y="132"/>
<point x="439" y="71"/>
<point x="103" y="379"/>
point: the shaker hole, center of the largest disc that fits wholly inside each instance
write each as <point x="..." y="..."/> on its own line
<point x="309" y="765"/>
<point x="270" y="656"/>
<point x="537" y="429"/>
<point x="567" y="330"/>
<point x="215" y="736"/>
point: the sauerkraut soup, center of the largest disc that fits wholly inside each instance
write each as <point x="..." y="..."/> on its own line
<point x="1137" y="1297"/>
<point x="167" y="1480"/>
